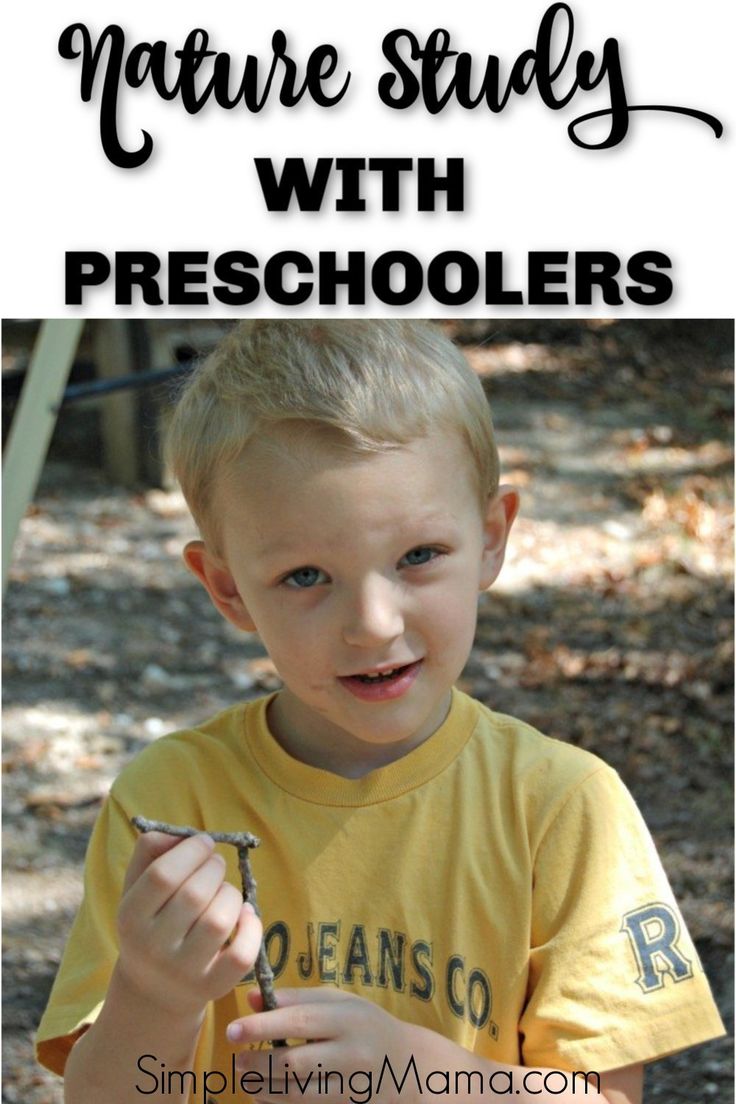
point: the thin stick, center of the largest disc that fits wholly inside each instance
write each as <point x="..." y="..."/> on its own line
<point x="243" y="841"/>
<point x="237" y="839"/>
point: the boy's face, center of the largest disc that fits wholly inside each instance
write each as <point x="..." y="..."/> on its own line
<point x="361" y="575"/>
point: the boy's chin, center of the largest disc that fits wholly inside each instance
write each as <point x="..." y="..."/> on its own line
<point x="399" y="722"/>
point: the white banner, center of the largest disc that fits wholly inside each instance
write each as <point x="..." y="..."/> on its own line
<point x="134" y="135"/>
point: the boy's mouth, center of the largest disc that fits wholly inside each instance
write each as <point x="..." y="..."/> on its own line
<point x="382" y="676"/>
<point x="382" y="685"/>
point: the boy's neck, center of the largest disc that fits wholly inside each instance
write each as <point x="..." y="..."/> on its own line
<point x="312" y="740"/>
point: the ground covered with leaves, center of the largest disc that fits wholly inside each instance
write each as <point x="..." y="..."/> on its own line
<point x="611" y="628"/>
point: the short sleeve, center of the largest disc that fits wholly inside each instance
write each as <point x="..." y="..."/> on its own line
<point x="614" y="977"/>
<point x="92" y="949"/>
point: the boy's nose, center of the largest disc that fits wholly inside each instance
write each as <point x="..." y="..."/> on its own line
<point x="374" y="615"/>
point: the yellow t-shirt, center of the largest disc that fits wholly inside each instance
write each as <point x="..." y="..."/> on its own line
<point x="494" y="885"/>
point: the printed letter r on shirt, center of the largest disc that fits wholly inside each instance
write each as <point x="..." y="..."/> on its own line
<point x="653" y="932"/>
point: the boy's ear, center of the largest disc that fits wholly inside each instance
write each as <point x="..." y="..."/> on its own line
<point x="216" y="579"/>
<point x="500" y="513"/>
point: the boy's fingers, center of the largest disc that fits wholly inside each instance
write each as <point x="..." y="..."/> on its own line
<point x="148" y="847"/>
<point x="163" y="874"/>
<point x="310" y="1019"/>
<point x="207" y="923"/>
<point x="274" y="1065"/>
<point x="193" y="899"/>
<point x="238" y="957"/>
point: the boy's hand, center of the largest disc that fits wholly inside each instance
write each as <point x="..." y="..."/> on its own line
<point x="389" y="1061"/>
<point x="344" y="1033"/>
<point x="175" y="917"/>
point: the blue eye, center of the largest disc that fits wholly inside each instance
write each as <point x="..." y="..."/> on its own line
<point x="305" y="577"/>
<point x="418" y="556"/>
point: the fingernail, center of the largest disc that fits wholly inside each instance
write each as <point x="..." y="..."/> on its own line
<point x="249" y="908"/>
<point x="234" y="1032"/>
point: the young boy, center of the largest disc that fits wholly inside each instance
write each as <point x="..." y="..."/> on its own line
<point x="454" y="903"/>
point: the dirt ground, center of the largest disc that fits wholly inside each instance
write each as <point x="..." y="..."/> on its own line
<point x="611" y="627"/>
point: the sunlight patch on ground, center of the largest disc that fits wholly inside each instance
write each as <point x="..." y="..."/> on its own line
<point x="38" y="894"/>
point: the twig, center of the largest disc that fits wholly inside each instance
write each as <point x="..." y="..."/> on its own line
<point x="243" y="841"/>
<point x="237" y="839"/>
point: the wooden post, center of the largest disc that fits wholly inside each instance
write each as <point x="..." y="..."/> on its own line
<point x="114" y="357"/>
<point x="34" y="422"/>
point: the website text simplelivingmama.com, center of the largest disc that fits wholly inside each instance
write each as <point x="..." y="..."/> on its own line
<point x="359" y="1086"/>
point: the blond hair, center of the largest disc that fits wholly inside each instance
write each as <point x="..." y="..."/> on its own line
<point x="366" y="385"/>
